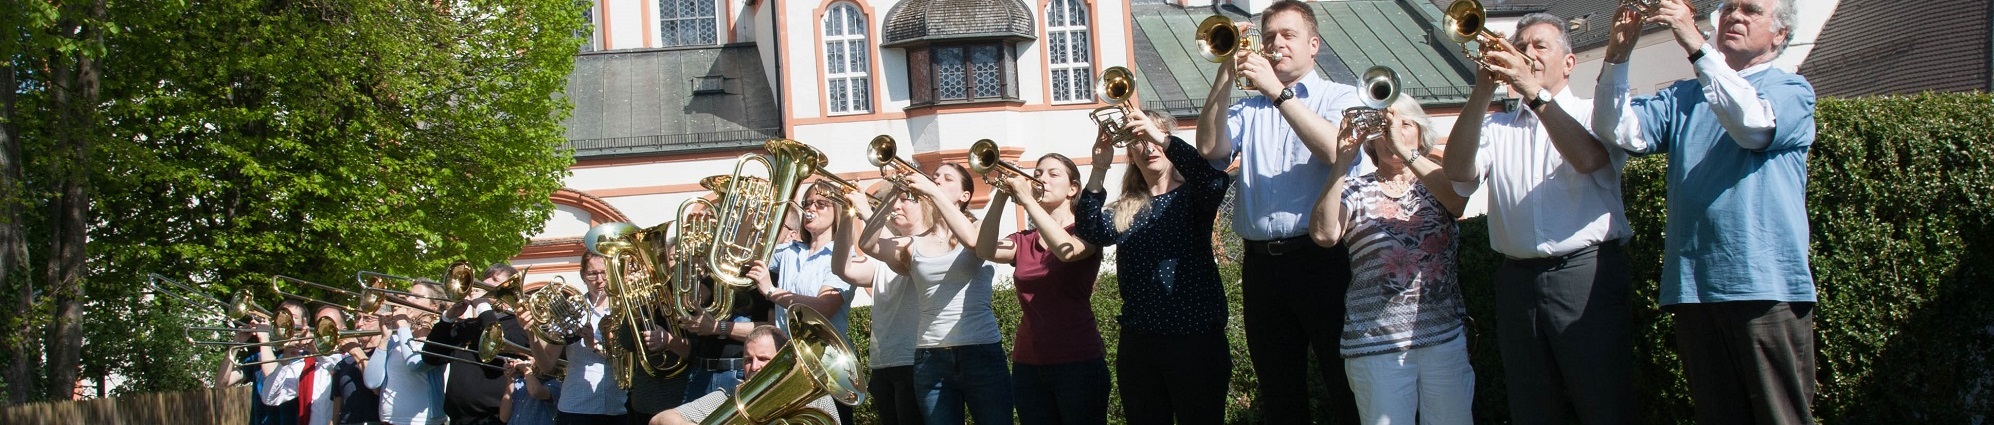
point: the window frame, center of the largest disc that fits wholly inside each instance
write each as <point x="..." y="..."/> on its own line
<point x="858" y="101"/>
<point x="924" y="73"/>
<point x="1081" y="89"/>
<point x="669" y="15"/>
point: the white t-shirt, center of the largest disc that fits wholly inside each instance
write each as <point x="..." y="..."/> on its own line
<point x="896" y="317"/>
<point x="955" y="299"/>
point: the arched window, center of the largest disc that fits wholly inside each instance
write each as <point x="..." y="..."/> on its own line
<point x="687" y="22"/>
<point x="847" y="65"/>
<point x="1069" y="51"/>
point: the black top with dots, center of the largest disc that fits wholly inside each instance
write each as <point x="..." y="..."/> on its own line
<point x="1168" y="280"/>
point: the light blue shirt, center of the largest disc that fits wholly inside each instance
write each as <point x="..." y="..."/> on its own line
<point x="1737" y="227"/>
<point x="1279" y="179"/>
<point x="411" y="390"/>
<point x="806" y="273"/>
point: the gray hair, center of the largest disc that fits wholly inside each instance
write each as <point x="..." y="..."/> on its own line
<point x="1409" y="109"/>
<point x="1541" y="18"/>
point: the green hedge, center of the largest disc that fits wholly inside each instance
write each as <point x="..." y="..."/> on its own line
<point x="1902" y="224"/>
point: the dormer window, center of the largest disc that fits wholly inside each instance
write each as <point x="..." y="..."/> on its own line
<point x="960" y="51"/>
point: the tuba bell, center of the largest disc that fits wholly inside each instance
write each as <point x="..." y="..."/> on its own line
<point x="1380" y="88"/>
<point x="985" y="159"/>
<point x="816" y="362"/>
<point x="1115" y="88"/>
<point x="1219" y="38"/>
<point x="751" y="218"/>
<point x="1466" y="22"/>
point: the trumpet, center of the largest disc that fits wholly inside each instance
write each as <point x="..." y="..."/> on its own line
<point x="1219" y="38"/>
<point x="1116" y="87"/>
<point x="1381" y="88"/>
<point x="883" y="152"/>
<point x="1466" y="22"/>
<point x="985" y="159"/>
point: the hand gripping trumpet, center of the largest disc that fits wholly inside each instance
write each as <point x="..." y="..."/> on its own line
<point x="985" y="159"/>
<point x="1219" y="38"/>
<point x="1115" y="88"/>
<point x="1466" y="22"/>
<point x="1380" y="89"/>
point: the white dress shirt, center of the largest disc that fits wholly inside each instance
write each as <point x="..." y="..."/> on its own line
<point x="282" y="386"/>
<point x="1539" y="206"/>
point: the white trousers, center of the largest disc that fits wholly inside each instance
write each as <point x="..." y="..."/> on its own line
<point x="1435" y="384"/>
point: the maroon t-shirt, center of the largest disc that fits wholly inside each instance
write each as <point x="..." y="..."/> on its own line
<point x="1058" y="326"/>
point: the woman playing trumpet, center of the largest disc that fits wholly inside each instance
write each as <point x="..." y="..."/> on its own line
<point x="1059" y="370"/>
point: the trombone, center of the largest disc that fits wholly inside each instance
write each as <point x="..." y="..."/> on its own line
<point x="327" y="335"/>
<point x="461" y="278"/>
<point x="282" y="331"/>
<point x="1116" y="87"/>
<point x="274" y="287"/>
<point x="183" y="292"/>
<point x="375" y="293"/>
<point x="1381" y="88"/>
<point x="1466" y="22"/>
<point x="985" y="159"/>
<point x="1219" y="38"/>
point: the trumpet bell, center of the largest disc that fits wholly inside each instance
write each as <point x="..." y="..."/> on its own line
<point x="1464" y="19"/>
<point x="1381" y="87"/>
<point x="1217" y="38"/>
<point x="816" y="362"/>
<point x="1116" y="86"/>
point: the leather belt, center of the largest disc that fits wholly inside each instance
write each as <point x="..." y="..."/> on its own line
<point x="1280" y="246"/>
<point x="1557" y="261"/>
<point x="722" y="364"/>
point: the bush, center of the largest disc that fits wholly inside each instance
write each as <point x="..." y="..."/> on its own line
<point x="1901" y="215"/>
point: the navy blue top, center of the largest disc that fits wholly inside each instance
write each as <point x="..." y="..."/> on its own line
<point x="1167" y="278"/>
<point x="259" y="413"/>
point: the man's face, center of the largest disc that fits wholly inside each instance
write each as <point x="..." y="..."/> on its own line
<point x="1544" y="44"/>
<point x="1290" y="34"/>
<point x="759" y="352"/>
<point x="1745" y="27"/>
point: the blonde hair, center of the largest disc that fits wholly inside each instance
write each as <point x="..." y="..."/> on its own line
<point x="1135" y="187"/>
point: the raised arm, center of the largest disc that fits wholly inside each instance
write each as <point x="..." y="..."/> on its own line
<point x="1464" y="142"/>
<point x="1328" y="221"/>
<point x="1568" y="136"/>
<point x="1612" y="98"/>
<point x="1214" y="138"/>
<point x="1064" y="245"/>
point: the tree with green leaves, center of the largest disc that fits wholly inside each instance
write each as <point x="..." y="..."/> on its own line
<point x="232" y="140"/>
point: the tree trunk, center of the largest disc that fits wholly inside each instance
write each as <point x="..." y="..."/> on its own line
<point x="13" y="250"/>
<point x="77" y="102"/>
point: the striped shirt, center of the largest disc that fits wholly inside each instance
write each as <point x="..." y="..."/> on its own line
<point x="1403" y="293"/>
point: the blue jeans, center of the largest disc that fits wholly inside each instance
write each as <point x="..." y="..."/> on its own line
<point x="703" y="381"/>
<point x="1063" y="394"/>
<point x="950" y="378"/>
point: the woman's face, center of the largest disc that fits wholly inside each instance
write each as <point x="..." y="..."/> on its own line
<point x="1403" y="132"/>
<point x="1148" y="156"/>
<point x="1058" y="182"/>
<point x="818" y="213"/>
<point x="950" y="181"/>
<point x="907" y="213"/>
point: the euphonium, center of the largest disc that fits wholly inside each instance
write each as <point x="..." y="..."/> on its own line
<point x="1219" y="38"/>
<point x="985" y="159"/>
<point x="1465" y="22"/>
<point x="751" y="220"/>
<point x="691" y="242"/>
<point x="1115" y="88"/>
<point x="633" y="275"/>
<point x="815" y="363"/>
<point x="1380" y="89"/>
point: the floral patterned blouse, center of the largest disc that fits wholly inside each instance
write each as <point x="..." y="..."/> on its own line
<point x="1403" y="293"/>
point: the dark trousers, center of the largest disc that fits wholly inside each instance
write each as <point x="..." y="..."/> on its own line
<point x="1061" y="394"/>
<point x="1564" y="329"/>
<point x="893" y="396"/>
<point x="1173" y="378"/>
<point x="1294" y="303"/>
<point x="1748" y="362"/>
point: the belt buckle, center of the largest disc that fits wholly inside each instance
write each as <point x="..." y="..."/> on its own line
<point x="1279" y="247"/>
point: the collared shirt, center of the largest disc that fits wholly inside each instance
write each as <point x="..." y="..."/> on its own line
<point x="283" y="386"/>
<point x="1279" y="179"/>
<point x="1539" y="206"/>
<point x="590" y="387"/>
<point x="804" y="272"/>
<point x="1737" y="177"/>
<point x="411" y="391"/>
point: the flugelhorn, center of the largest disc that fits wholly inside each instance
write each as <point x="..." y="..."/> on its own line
<point x="985" y="159"/>
<point x="1219" y="38"/>
<point x="1115" y="88"/>
<point x="1380" y="87"/>
<point x="816" y="362"/>
<point x="1466" y="22"/>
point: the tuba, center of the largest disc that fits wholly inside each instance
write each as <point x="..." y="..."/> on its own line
<point x="1116" y="87"/>
<point x="1380" y="89"/>
<point x="815" y="363"/>
<point x="985" y="159"/>
<point x="691" y="242"/>
<point x="1465" y="22"/>
<point x="1219" y="38"/>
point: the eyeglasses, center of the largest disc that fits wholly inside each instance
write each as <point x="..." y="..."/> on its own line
<point x="817" y="205"/>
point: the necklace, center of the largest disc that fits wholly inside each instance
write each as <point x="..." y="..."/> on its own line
<point x="1394" y="188"/>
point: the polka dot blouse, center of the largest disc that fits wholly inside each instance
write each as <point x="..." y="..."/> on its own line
<point x="1164" y="263"/>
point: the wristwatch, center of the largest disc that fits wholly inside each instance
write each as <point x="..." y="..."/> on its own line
<point x="1286" y="93"/>
<point x="1542" y="97"/>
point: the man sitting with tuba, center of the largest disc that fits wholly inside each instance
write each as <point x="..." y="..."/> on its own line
<point x="762" y="345"/>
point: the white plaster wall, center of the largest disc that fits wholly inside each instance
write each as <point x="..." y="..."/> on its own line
<point x="625" y="23"/>
<point x="648" y="174"/>
<point x="567" y="222"/>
